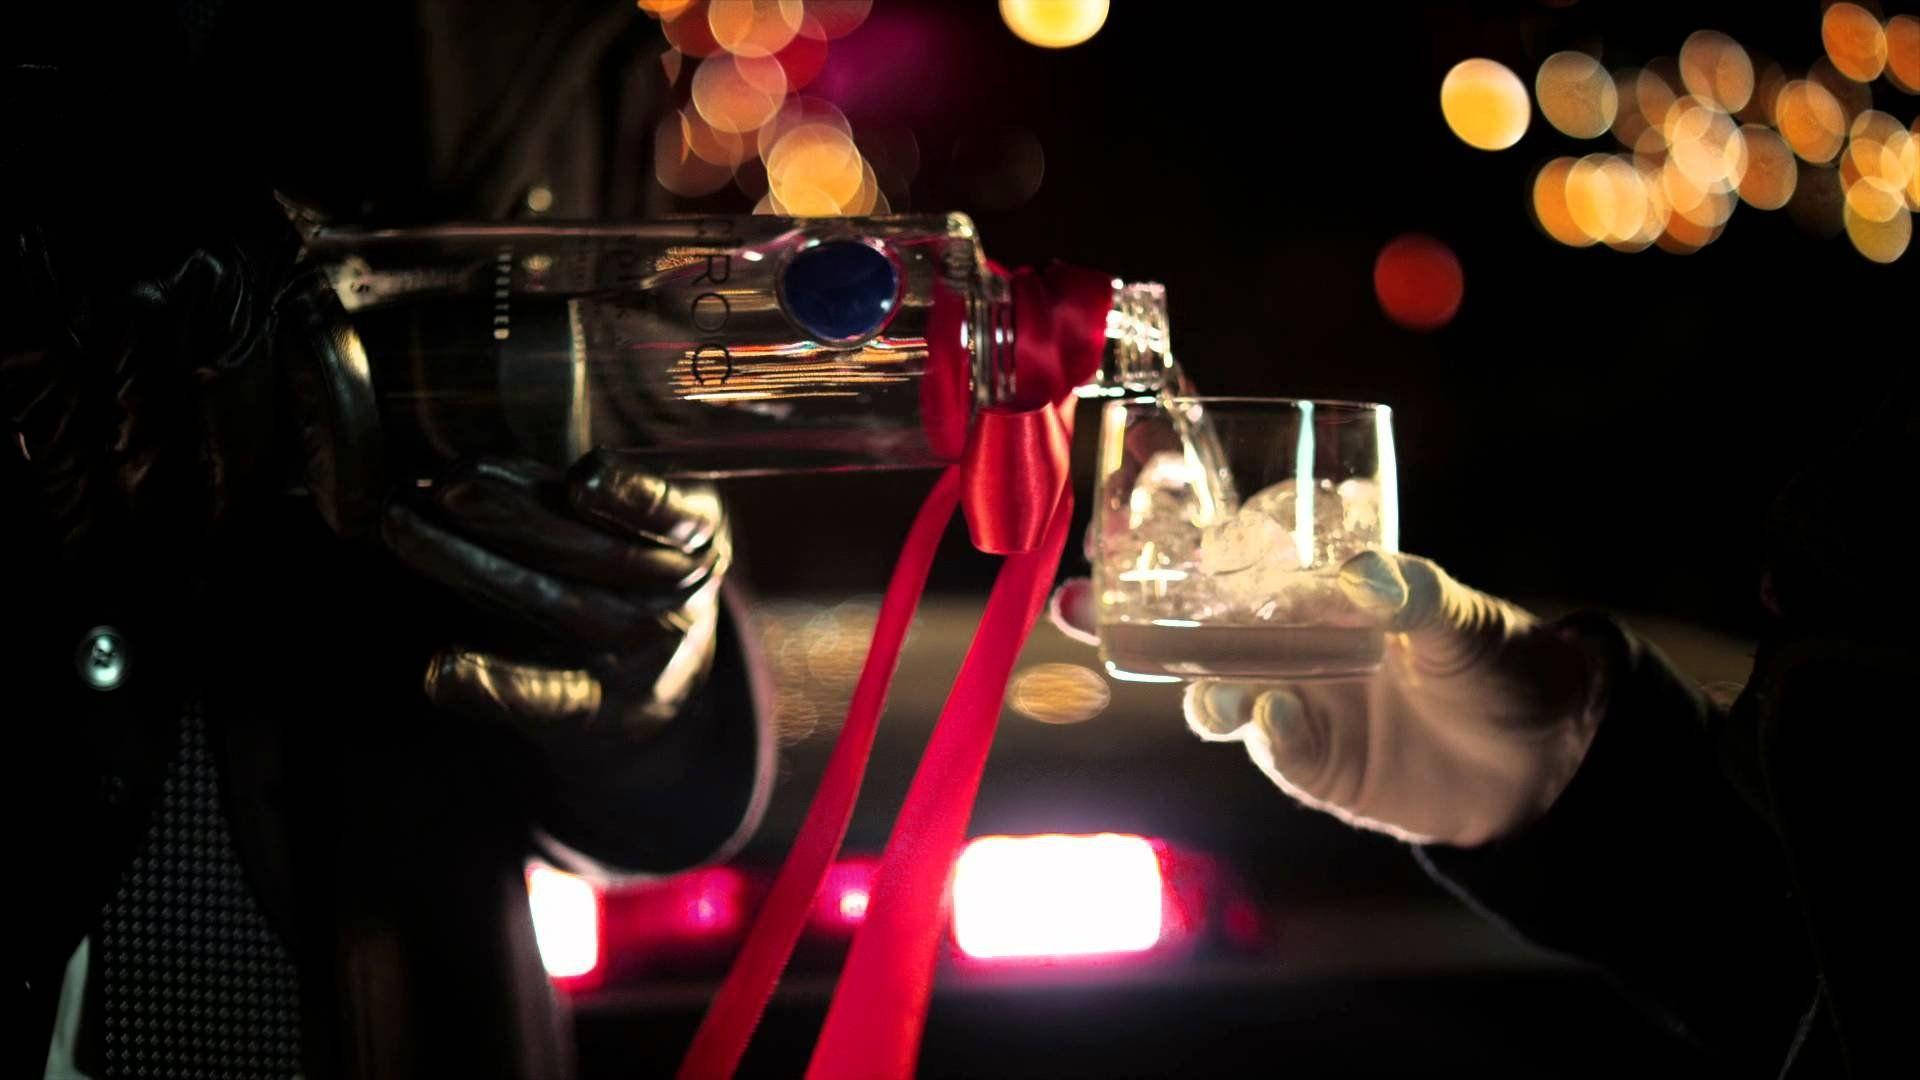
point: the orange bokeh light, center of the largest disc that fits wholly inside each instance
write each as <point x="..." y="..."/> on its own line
<point x="1771" y="173"/>
<point x="1703" y="143"/>
<point x="816" y="170"/>
<point x="1576" y="94"/>
<point x="1683" y="236"/>
<point x="1881" y="152"/>
<point x="1485" y="104"/>
<point x="719" y="147"/>
<point x="1715" y="68"/>
<point x="1880" y="241"/>
<point x="687" y="30"/>
<point x="1550" y="204"/>
<point x="1903" y="53"/>
<point x="1855" y="41"/>
<point x="678" y="168"/>
<point x="1810" y="119"/>
<point x="737" y="94"/>
<point x="755" y="28"/>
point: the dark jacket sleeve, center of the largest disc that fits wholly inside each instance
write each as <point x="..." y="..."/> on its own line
<point x="694" y="793"/>
<point x="1655" y="866"/>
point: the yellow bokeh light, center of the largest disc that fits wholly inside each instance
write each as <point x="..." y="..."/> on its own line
<point x="1679" y="189"/>
<point x="667" y="10"/>
<point x="1550" y="209"/>
<point x="1913" y="182"/>
<point x="1654" y="93"/>
<point x="754" y="27"/>
<point x="1644" y="99"/>
<point x="1704" y="206"/>
<point x="1880" y="241"/>
<point x="1576" y="94"/>
<point x="1650" y="147"/>
<point x="1715" y="68"/>
<point x="1810" y="119"/>
<point x="1653" y="221"/>
<point x="825" y="146"/>
<point x="678" y="168"/>
<point x="1054" y="24"/>
<point x="719" y="147"/>
<point x="1058" y="693"/>
<point x="1630" y="203"/>
<point x="1872" y="202"/>
<point x="815" y="170"/>
<point x="1703" y="143"/>
<point x="867" y="196"/>
<point x="1628" y="124"/>
<point x="1881" y="152"/>
<point x="797" y="111"/>
<point x="1589" y="198"/>
<point x="1771" y="173"/>
<point x="1485" y="104"/>
<point x="803" y="200"/>
<point x="737" y="94"/>
<point x="1903" y="53"/>
<point x="1855" y="41"/>
<point x="1606" y="198"/>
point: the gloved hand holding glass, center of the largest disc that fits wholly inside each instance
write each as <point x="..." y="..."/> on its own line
<point x="1365" y="683"/>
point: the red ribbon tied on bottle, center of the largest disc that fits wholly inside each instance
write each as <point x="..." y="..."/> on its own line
<point x="1011" y="477"/>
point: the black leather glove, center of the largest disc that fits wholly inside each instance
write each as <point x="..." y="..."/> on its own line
<point x="596" y="599"/>
<point x="611" y="574"/>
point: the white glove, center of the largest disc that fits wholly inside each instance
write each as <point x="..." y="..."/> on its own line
<point x="1474" y="723"/>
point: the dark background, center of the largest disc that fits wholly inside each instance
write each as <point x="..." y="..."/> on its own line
<point x="1593" y="427"/>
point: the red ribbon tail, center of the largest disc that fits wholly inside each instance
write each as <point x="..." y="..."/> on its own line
<point x="728" y="1026"/>
<point x="874" y="1024"/>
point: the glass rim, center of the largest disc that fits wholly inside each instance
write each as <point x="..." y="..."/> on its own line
<point x="1248" y="399"/>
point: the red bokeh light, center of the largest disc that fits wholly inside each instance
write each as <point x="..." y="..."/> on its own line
<point x="1419" y="282"/>
<point x="805" y="55"/>
<point x="689" y="31"/>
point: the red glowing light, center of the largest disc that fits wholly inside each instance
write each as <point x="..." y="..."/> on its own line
<point x="805" y="55"/>
<point x="1419" y="282"/>
<point x="712" y="901"/>
<point x="842" y="906"/>
<point x="690" y="32"/>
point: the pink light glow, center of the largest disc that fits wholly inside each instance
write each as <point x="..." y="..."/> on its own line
<point x="712" y="901"/>
<point x="842" y="906"/>
<point x="1045" y="896"/>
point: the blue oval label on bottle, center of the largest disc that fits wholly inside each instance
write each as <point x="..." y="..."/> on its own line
<point x="840" y="291"/>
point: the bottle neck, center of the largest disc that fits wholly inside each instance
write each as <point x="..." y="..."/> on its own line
<point x="1137" y="358"/>
<point x="1139" y="353"/>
